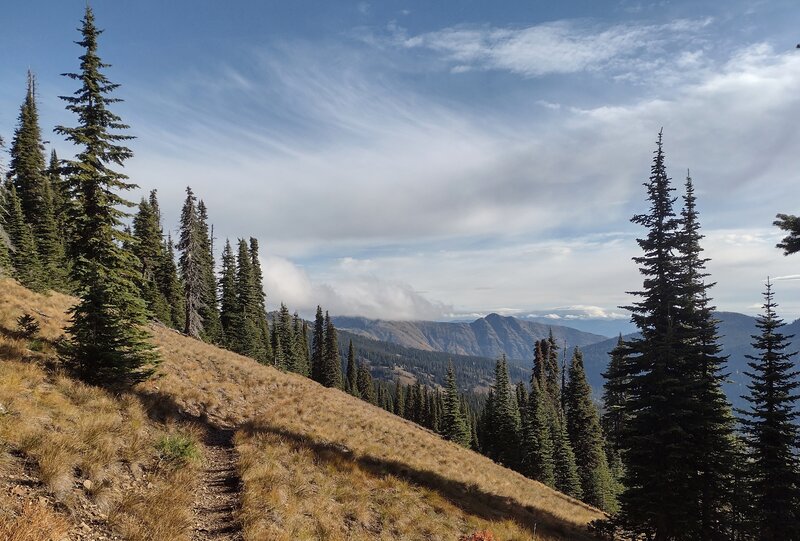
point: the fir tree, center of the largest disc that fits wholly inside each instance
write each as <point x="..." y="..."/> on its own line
<point x="614" y="393"/>
<point x="169" y="283"/>
<point x="331" y="362"/>
<point x="149" y="249"/>
<point x="566" y="475"/>
<point x="246" y="337"/>
<point x="261" y="300"/>
<point x="364" y="384"/>
<point x="209" y="309"/>
<point x="454" y="427"/>
<point x="25" y="260"/>
<point x="771" y="430"/>
<point x="300" y="348"/>
<point x="586" y="438"/>
<point x="283" y="330"/>
<point x="504" y="420"/>
<point x="538" y="461"/>
<point x="399" y="399"/>
<point x="318" y="348"/>
<point x="108" y="339"/>
<point x="229" y="302"/>
<point x="791" y="224"/>
<point x="190" y="245"/>
<point x="351" y="377"/>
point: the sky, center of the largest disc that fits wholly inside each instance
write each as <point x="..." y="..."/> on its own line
<point x="445" y="160"/>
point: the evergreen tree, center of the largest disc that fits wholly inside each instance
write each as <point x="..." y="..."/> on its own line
<point x="229" y="302"/>
<point x="399" y="399"/>
<point x="169" y="283"/>
<point x="261" y="301"/>
<point x="331" y="362"/>
<point x="109" y="342"/>
<point x="318" y="348"/>
<point x="62" y="200"/>
<point x="25" y="260"/>
<point x="246" y="338"/>
<point x="351" y="378"/>
<point x="364" y="384"/>
<point x="614" y="394"/>
<point x="283" y="331"/>
<point x="504" y="420"/>
<point x="209" y="310"/>
<point x="552" y="373"/>
<point x="586" y="438"/>
<point x="149" y="249"/>
<point x="566" y="475"/>
<point x="300" y="349"/>
<point x="791" y="224"/>
<point x="190" y="245"/>
<point x="454" y="427"/>
<point x="660" y="496"/>
<point x="771" y="430"/>
<point x="538" y="461"/>
<point x="6" y="266"/>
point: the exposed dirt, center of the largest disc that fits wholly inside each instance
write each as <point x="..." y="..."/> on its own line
<point x="219" y="490"/>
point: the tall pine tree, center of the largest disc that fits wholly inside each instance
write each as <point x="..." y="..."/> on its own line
<point x="108" y="339"/>
<point x="454" y="426"/>
<point x="191" y="246"/>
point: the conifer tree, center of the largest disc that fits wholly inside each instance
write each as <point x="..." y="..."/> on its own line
<point x="149" y="249"/>
<point x="399" y="399"/>
<point x="504" y="420"/>
<point x="552" y="373"/>
<point x="190" y="245"/>
<point x="351" y="377"/>
<point x="283" y="330"/>
<point x="454" y="426"/>
<point x="771" y="429"/>
<point x="566" y="475"/>
<point x="318" y="348"/>
<point x="586" y="438"/>
<point x="614" y="393"/>
<point x="261" y="301"/>
<point x="331" y="362"/>
<point x="209" y="309"/>
<point x="365" y="384"/>
<point x="6" y="266"/>
<point x="62" y="200"/>
<point x="230" y="311"/>
<point x="25" y="260"/>
<point x="108" y="339"/>
<point x="246" y="338"/>
<point x="660" y="496"/>
<point x="791" y="224"/>
<point x="300" y="349"/>
<point x="169" y="283"/>
<point x="538" y="461"/>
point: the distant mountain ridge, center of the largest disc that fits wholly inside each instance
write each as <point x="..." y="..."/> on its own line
<point x="489" y="336"/>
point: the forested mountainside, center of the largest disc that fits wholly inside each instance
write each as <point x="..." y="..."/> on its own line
<point x="489" y="336"/>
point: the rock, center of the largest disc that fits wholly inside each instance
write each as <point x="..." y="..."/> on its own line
<point x="88" y="485"/>
<point x="3" y="409"/>
<point x="18" y="490"/>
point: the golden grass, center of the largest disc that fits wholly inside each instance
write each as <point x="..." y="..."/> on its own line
<point x="31" y="522"/>
<point x="319" y="464"/>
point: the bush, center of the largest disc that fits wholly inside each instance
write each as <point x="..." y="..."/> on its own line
<point x="178" y="449"/>
<point x="483" y="535"/>
<point x="27" y="327"/>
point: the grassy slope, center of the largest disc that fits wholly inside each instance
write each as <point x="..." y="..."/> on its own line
<point x="318" y="464"/>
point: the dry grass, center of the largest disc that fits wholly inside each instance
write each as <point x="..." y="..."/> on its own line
<point x="31" y="522"/>
<point x="319" y="464"/>
<point x="85" y="442"/>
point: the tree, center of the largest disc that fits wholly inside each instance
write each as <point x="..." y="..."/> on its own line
<point x="209" y="309"/>
<point x="566" y="475"/>
<point x="454" y="426"/>
<point x="190" y="245"/>
<point x="614" y="395"/>
<point x="399" y="399"/>
<point x="246" y="336"/>
<point x="791" y="224"/>
<point x="300" y="348"/>
<point x="537" y="457"/>
<point x="149" y="249"/>
<point x="366" y="387"/>
<point x="351" y="376"/>
<point x="261" y="300"/>
<point x="504" y="419"/>
<point x="283" y="334"/>
<point x="27" y="268"/>
<point x="318" y="347"/>
<point x="108" y="339"/>
<point x="660" y="496"/>
<point x="331" y="363"/>
<point x="169" y="283"/>
<point x="586" y="438"/>
<point x="229" y="303"/>
<point x="771" y="431"/>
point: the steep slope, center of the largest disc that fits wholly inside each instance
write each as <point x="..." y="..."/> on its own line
<point x="489" y="336"/>
<point x="735" y="332"/>
<point x="314" y="463"/>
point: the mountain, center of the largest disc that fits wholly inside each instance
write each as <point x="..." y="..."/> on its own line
<point x="602" y="326"/>
<point x="217" y="446"/>
<point x="735" y="332"/>
<point x="489" y="336"/>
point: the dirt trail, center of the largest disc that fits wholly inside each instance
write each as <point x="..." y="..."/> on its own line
<point x="218" y="495"/>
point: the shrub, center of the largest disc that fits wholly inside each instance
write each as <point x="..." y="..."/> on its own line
<point x="178" y="449"/>
<point x="27" y="327"/>
<point x="483" y="535"/>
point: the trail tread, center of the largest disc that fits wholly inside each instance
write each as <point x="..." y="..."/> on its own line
<point x="219" y="493"/>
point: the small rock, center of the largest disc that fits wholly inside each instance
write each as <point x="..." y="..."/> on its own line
<point x="3" y="409"/>
<point x="18" y="491"/>
<point x="87" y="484"/>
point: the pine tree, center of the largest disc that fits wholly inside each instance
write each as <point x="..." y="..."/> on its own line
<point x="660" y="491"/>
<point x="246" y="338"/>
<point x="25" y="260"/>
<point x="190" y="245"/>
<point x="771" y="429"/>
<point x="331" y="362"/>
<point x="552" y="377"/>
<point x="283" y="331"/>
<point x="229" y="302"/>
<point x="538" y="461"/>
<point x="566" y="475"/>
<point x="6" y="266"/>
<point x="62" y="200"/>
<point x="169" y="283"/>
<point x="318" y="348"/>
<point x="351" y="377"/>
<point x="108" y="339"/>
<point x="791" y="224"/>
<point x="300" y="348"/>
<point x="505" y="420"/>
<point x="149" y="249"/>
<point x="614" y="395"/>
<point x="586" y="438"/>
<point x="399" y="399"/>
<point x="454" y="426"/>
<point x="208" y="309"/>
<point x="261" y="301"/>
<point x="710" y="427"/>
<point x="365" y="385"/>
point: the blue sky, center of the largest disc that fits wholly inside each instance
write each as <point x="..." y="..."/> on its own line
<point x="434" y="160"/>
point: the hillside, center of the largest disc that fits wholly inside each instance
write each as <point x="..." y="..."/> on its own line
<point x="284" y="458"/>
<point x="735" y="332"/>
<point x="489" y="336"/>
